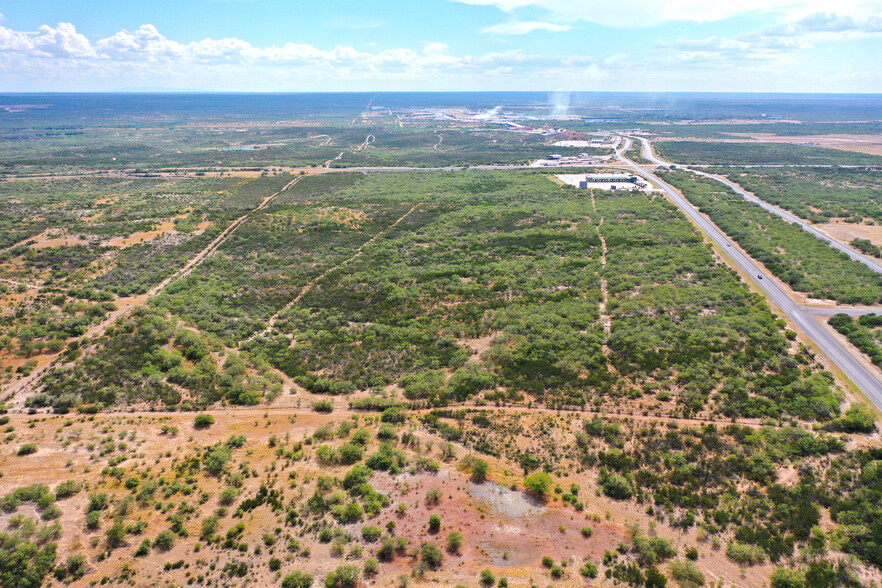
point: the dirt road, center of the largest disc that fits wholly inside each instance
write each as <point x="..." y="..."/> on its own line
<point x="125" y="305"/>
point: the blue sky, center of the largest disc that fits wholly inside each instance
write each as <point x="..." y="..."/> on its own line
<point x="370" y="45"/>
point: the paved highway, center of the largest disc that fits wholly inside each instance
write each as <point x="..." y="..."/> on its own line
<point x="855" y="255"/>
<point x="861" y="375"/>
<point x="789" y="217"/>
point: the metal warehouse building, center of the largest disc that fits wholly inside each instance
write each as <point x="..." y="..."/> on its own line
<point x="612" y="182"/>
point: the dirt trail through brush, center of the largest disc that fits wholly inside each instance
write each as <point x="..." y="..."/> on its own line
<point x="367" y="141"/>
<point x="328" y="163"/>
<point x="125" y="305"/>
<point x="341" y="411"/>
<point x="605" y="319"/>
<point x="272" y="321"/>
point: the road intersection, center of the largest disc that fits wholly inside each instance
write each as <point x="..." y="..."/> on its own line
<point x="857" y="371"/>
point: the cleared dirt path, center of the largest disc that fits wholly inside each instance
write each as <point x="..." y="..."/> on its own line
<point x="272" y="321"/>
<point x="341" y="411"/>
<point x="367" y="141"/>
<point x="328" y="163"/>
<point x="20" y="283"/>
<point x="126" y="305"/>
<point x="605" y="319"/>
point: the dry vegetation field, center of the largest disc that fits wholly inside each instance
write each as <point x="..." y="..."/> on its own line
<point x="408" y="378"/>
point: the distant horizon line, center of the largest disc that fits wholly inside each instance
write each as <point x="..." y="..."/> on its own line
<point x="291" y="92"/>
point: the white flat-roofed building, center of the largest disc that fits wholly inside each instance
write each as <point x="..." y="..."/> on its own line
<point x="610" y="178"/>
<point x="605" y="181"/>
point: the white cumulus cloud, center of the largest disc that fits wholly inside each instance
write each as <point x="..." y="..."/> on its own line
<point x="60" y="58"/>
<point x="60" y="41"/>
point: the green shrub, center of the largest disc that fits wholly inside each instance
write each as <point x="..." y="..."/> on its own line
<point x="51" y="512"/>
<point x="203" y="421"/>
<point x="93" y="519"/>
<point x="343" y="577"/>
<point x="27" y="449"/>
<point x="394" y="414"/>
<point x="858" y="419"/>
<point x="387" y="432"/>
<point x="784" y="578"/>
<point x="371" y="567"/>
<point x="143" y="548"/>
<point x="371" y="533"/>
<point x="538" y="484"/>
<point x="687" y="574"/>
<point x="434" y="523"/>
<point x="454" y="541"/>
<point x="349" y="513"/>
<point x="655" y="579"/>
<point x="116" y="535"/>
<point x="652" y="550"/>
<point x="431" y="555"/>
<point x="24" y="563"/>
<point x="386" y="552"/>
<point x="324" y="406"/>
<point x="165" y="540"/>
<point x="350" y="453"/>
<point x="208" y="527"/>
<point x="361" y="437"/>
<point x="357" y="476"/>
<point x="617" y="487"/>
<point x="297" y="579"/>
<point x="72" y="569"/>
<point x="744" y="554"/>
<point x="228" y="496"/>
<point x="98" y="501"/>
<point x="589" y="570"/>
<point x="487" y="578"/>
<point x="216" y="460"/>
<point x="433" y="495"/>
<point x="479" y="471"/>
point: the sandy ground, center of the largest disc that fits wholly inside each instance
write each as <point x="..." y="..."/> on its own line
<point x="478" y="346"/>
<point x="846" y="232"/>
<point x="870" y="144"/>
<point x="505" y="530"/>
<point x="59" y="238"/>
<point x="730" y="121"/>
<point x="56" y="238"/>
<point x="124" y="305"/>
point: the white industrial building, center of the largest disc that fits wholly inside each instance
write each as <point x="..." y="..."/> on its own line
<point x="605" y="181"/>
